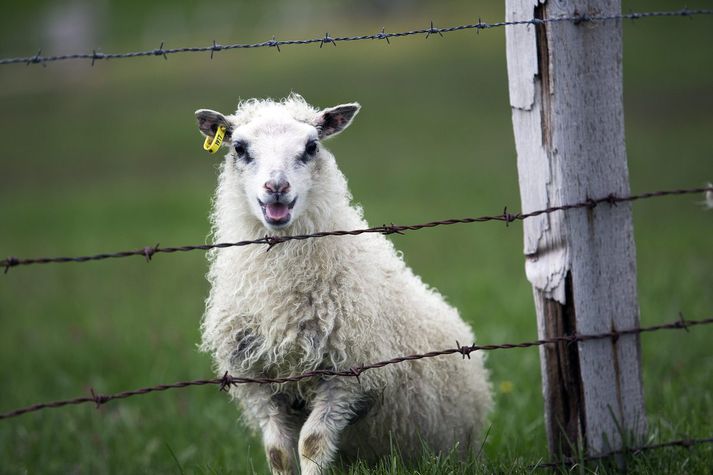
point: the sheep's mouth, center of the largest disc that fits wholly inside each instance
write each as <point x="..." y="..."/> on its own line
<point x="277" y="213"/>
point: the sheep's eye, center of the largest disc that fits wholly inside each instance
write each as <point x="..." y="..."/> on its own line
<point x="311" y="147"/>
<point x="242" y="152"/>
<point x="310" y="150"/>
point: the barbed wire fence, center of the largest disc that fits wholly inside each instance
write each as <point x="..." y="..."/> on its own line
<point x="227" y="380"/>
<point x="270" y="241"/>
<point x="327" y="39"/>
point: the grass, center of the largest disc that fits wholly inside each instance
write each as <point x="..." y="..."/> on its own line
<point x="115" y="162"/>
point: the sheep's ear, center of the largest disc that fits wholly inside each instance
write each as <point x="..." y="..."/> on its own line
<point x="335" y="119"/>
<point x="209" y="121"/>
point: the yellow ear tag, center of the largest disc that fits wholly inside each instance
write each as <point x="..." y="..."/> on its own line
<point x="212" y="146"/>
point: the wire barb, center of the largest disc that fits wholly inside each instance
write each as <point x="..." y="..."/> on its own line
<point x="465" y="350"/>
<point x="327" y="39"/>
<point x="96" y="56"/>
<point x="433" y="30"/>
<point x="356" y="371"/>
<point x="392" y="229"/>
<point x="99" y="399"/>
<point x="37" y="58"/>
<point x="508" y="218"/>
<point x="681" y="323"/>
<point x="382" y="35"/>
<point x="160" y="52"/>
<point x="274" y="43"/>
<point x="10" y="262"/>
<point x="225" y="382"/>
<point x="214" y="48"/>
<point x="149" y="251"/>
<point x="273" y="241"/>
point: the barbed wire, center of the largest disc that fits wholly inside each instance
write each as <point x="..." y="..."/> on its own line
<point x="572" y="461"/>
<point x="149" y="251"/>
<point x="213" y="48"/>
<point x="227" y="380"/>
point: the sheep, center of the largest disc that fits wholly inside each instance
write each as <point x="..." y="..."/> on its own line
<point x="328" y="303"/>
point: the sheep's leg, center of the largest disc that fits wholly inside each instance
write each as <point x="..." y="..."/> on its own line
<point x="333" y="408"/>
<point x="279" y="445"/>
<point x="280" y="428"/>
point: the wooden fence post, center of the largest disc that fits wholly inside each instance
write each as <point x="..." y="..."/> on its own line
<point x="565" y="83"/>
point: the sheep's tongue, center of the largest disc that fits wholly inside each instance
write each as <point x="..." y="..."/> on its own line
<point x="276" y="211"/>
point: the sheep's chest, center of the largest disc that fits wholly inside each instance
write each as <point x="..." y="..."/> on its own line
<point x="283" y="331"/>
<point x="281" y="312"/>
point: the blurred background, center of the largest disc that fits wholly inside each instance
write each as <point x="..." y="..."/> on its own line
<point x="108" y="158"/>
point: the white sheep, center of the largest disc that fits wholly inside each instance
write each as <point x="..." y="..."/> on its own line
<point x="333" y="303"/>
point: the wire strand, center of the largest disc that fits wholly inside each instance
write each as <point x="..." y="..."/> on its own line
<point x="226" y="381"/>
<point x="270" y="241"/>
<point x="213" y="48"/>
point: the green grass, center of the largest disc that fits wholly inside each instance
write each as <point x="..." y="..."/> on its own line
<point x="108" y="158"/>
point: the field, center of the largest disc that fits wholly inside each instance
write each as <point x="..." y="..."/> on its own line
<point x="109" y="158"/>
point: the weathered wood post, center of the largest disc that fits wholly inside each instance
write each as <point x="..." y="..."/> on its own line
<point x="565" y="83"/>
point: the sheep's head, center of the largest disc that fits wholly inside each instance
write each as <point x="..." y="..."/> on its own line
<point x="276" y="151"/>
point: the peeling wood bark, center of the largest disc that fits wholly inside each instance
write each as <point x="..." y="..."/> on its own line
<point x="565" y="84"/>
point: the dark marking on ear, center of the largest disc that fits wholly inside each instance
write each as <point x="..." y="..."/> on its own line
<point x="209" y="121"/>
<point x="335" y="119"/>
<point x="278" y="459"/>
<point x="312" y="446"/>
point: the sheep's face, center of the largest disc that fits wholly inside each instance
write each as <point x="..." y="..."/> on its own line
<point x="277" y="157"/>
<point x="276" y="160"/>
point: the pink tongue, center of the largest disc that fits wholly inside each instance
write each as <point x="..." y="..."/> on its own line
<point x="276" y="211"/>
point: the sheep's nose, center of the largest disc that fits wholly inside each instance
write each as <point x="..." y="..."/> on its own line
<point x="277" y="186"/>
